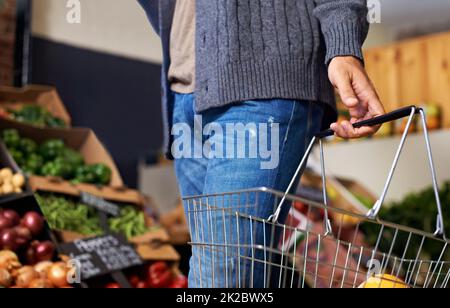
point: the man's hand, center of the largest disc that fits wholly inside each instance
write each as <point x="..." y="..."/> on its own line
<point x="348" y="76"/>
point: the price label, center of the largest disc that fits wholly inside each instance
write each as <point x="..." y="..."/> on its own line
<point x="102" y="255"/>
<point x="100" y="204"/>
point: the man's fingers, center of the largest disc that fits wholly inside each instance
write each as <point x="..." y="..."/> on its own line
<point x="339" y="130"/>
<point x="365" y="88"/>
<point x="357" y="93"/>
<point x="365" y="131"/>
<point x="344" y="86"/>
<point x="346" y="130"/>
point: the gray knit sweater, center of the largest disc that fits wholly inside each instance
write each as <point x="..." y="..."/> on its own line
<point x="263" y="49"/>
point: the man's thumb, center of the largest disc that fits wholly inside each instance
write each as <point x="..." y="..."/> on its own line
<point x="347" y="93"/>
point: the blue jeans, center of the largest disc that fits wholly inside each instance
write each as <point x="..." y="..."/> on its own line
<point x="297" y="122"/>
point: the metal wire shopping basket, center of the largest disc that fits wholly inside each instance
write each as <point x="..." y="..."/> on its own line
<point x="234" y="248"/>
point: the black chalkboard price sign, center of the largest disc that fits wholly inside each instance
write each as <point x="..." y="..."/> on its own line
<point x="101" y="255"/>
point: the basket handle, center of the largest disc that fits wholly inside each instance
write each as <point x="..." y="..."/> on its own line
<point x="410" y="112"/>
<point x="389" y="117"/>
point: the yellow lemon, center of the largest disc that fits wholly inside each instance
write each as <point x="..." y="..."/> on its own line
<point x="346" y="220"/>
<point x="384" y="282"/>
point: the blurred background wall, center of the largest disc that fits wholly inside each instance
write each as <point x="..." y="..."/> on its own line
<point x="107" y="72"/>
<point x="7" y="40"/>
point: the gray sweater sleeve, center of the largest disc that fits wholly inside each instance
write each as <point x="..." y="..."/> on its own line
<point x="344" y="26"/>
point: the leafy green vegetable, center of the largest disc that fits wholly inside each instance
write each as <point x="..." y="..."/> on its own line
<point x="27" y="146"/>
<point x="53" y="158"/>
<point x="130" y="222"/>
<point x="95" y="174"/>
<point x="36" y="115"/>
<point x="11" y="138"/>
<point x="419" y="211"/>
<point x="33" y="164"/>
<point x="51" y="149"/>
<point x="64" y="213"/>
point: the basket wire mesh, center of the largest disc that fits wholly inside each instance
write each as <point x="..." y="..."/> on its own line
<point x="316" y="246"/>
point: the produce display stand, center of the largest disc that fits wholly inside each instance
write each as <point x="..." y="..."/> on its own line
<point x="44" y="96"/>
<point x="115" y="194"/>
<point x="6" y="162"/>
<point x="152" y="246"/>
<point x="30" y="256"/>
<point x="144" y="260"/>
<point x="82" y="140"/>
<point x="24" y="204"/>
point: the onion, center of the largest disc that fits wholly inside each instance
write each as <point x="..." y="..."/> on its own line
<point x="44" y="251"/>
<point x="6" y="173"/>
<point x="57" y="275"/>
<point x="5" y="223"/>
<point x="30" y="255"/>
<point x="25" y="276"/>
<point x="5" y="278"/>
<point x="23" y="233"/>
<point x="8" y="240"/>
<point x="18" y="180"/>
<point x="7" y="189"/>
<point x="9" y="260"/>
<point x="40" y="284"/>
<point x="42" y="268"/>
<point x="33" y="222"/>
<point x="12" y="216"/>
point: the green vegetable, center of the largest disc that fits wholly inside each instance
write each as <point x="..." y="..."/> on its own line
<point x="17" y="156"/>
<point x="51" y="149"/>
<point x="72" y="157"/>
<point x="131" y="222"/>
<point x="57" y="168"/>
<point x="55" y="122"/>
<point x="102" y="173"/>
<point x="11" y="138"/>
<point x="33" y="164"/>
<point x="36" y="115"/>
<point x="83" y="174"/>
<point x="66" y="214"/>
<point x="418" y="211"/>
<point x="27" y="146"/>
<point x="53" y="158"/>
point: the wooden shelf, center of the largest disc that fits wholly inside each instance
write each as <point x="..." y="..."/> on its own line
<point x="413" y="72"/>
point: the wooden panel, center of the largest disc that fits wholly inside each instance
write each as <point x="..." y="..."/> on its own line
<point x="413" y="72"/>
<point x="438" y="54"/>
<point x="382" y="67"/>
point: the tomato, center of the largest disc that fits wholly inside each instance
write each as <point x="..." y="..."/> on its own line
<point x="4" y="113"/>
<point x="141" y="285"/>
<point x="159" y="275"/>
<point x="134" y="280"/>
<point x="113" y="285"/>
<point x="180" y="282"/>
<point x="301" y="207"/>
